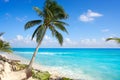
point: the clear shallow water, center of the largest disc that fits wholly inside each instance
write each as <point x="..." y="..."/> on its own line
<point x="91" y="64"/>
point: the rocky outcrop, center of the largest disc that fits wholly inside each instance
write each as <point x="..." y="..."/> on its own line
<point x="7" y="71"/>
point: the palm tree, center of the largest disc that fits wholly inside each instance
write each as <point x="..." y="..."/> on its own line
<point x="51" y="17"/>
<point x="5" y="46"/>
<point x="115" y="39"/>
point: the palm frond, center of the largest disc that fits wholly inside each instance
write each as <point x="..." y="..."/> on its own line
<point x="30" y="24"/>
<point x="40" y="33"/>
<point x="55" y="33"/>
<point x="62" y="23"/>
<point x="60" y="26"/>
<point x="35" y="32"/>
<point x="59" y="37"/>
<point x="115" y="39"/>
<point x="56" y="10"/>
<point x="52" y="29"/>
<point x="5" y="47"/>
<point x="39" y="12"/>
<point x="6" y="50"/>
<point x="1" y="43"/>
<point x="49" y="13"/>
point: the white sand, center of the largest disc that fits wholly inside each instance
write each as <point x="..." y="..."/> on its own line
<point x="55" y="72"/>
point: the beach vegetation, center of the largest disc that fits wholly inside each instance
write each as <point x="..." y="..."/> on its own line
<point x="18" y="66"/>
<point x="64" y="78"/>
<point x="41" y="75"/>
<point x="5" y="46"/>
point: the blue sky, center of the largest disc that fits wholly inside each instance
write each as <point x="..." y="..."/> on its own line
<point x="90" y="22"/>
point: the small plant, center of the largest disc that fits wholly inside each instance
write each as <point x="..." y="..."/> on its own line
<point x="64" y="78"/>
<point x="41" y="75"/>
<point x="18" y="67"/>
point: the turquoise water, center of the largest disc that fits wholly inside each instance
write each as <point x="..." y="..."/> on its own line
<point x="95" y="64"/>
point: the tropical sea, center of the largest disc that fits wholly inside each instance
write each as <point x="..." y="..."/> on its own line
<point x="85" y="63"/>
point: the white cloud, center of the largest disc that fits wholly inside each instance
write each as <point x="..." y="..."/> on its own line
<point x="90" y="13"/>
<point x="105" y="30"/>
<point x="81" y="43"/>
<point x="47" y="37"/>
<point x="89" y="16"/>
<point x="25" y="41"/>
<point x="91" y="43"/>
<point x="22" y="41"/>
<point x="2" y="38"/>
<point x="19" y="37"/>
<point x="6" y="0"/>
<point x="21" y="19"/>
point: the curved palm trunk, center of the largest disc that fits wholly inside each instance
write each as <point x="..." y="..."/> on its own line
<point x="29" y="68"/>
<point x="33" y="57"/>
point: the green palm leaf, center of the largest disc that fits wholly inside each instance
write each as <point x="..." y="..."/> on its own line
<point x="55" y="33"/>
<point x="40" y="13"/>
<point x="57" y="11"/>
<point x="48" y="14"/>
<point x="1" y="43"/>
<point x="62" y="23"/>
<point x="30" y="24"/>
<point x="115" y="39"/>
<point x="52" y="30"/>
<point x="7" y="50"/>
<point x="5" y="47"/>
<point x="40" y="33"/>
<point x="59" y="37"/>
<point x="60" y="26"/>
<point x="35" y="32"/>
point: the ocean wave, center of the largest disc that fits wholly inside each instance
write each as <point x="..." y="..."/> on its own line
<point x="76" y="74"/>
<point x="44" y="53"/>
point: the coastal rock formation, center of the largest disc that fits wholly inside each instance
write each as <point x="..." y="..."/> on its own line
<point x="6" y="70"/>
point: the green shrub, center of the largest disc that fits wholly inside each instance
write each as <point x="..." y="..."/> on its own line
<point x="64" y="78"/>
<point x="41" y="75"/>
<point x="18" y="66"/>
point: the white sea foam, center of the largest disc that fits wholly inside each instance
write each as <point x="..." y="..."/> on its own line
<point x="44" y="53"/>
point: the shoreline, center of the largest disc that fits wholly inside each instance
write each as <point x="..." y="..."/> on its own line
<point x="54" y="71"/>
<point x="25" y="61"/>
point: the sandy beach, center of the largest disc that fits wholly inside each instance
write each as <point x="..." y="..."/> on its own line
<point x="55" y="72"/>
